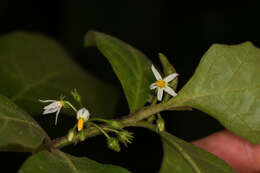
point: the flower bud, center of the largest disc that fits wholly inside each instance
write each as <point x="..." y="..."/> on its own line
<point x="70" y="135"/>
<point x="113" y="144"/>
<point x="160" y="124"/>
<point x="82" y="136"/>
<point x="76" y="95"/>
<point x="151" y="118"/>
<point x="125" y="137"/>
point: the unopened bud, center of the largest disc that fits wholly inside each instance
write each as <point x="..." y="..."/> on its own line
<point x="113" y="144"/>
<point x="160" y="124"/>
<point x="70" y="135"/>
<point x="151" y="118"/>
<point x="76" y="95"/>
<point x="82" y="135"/>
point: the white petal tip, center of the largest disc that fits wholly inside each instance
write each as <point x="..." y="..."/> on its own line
<point x="153" y="86"/>
<point x="156" y="73"/>
<point x="170" y="91"/>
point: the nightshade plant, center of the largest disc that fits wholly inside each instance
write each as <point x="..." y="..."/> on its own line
<point x="225" y="86"/>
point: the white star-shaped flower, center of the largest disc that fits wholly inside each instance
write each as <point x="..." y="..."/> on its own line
<point x="82" y="116"/>
<point x="162" y="83"/>
<point x="55" y="106"/>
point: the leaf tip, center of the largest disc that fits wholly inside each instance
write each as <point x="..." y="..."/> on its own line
<point x="89" y="39"/>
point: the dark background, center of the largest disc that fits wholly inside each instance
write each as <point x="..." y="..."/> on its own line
<point x="181" y="30"/>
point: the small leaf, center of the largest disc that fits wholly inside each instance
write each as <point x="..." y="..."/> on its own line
<point x="180" y="156"/>
<point x="130" y="65"/>
<point x="168" y="69"/>
<point x="34" y="67"/>
<point x="226" y="85"/>
<point x="57" y="161"/>
<point x="18" y="130"/>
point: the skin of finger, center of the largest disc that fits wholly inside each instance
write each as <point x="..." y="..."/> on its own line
<point x="237" y="152"/>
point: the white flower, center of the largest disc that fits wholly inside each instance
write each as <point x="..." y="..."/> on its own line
<point x="55" y="106"/>
<point x="82" y="116"/>
<point x="162" y="84"/>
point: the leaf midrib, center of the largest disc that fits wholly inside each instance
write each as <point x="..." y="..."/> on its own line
<point x="184" y="154"/>
<point x="68" y="161"/>
<point x="34" y="84"/>
<point x="177" y="102"/>
<point x="21" y="121"/>
<point x="139" y="75"/>
<point x="188" y="157"/>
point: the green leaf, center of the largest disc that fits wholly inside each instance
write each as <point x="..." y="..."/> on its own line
<point x="180" y="156"/>
<point x="57" y="161"/>
<point x="18" y="130"/>
<point x="34" y="67"/>
<point x="130" y="65"/>
<point x="226" y="85"/>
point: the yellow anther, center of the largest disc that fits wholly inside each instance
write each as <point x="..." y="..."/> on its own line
<point x="80" y="124"/>
<point x="60" y="104"/>
<point x="160" y="83"/>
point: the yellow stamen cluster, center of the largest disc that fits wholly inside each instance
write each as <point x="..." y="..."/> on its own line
<point x="80" y="124"/>
<point x="160" y="83"/>
<point x="60" y="104"/>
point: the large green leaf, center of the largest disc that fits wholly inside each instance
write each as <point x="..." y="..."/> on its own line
<point x="57" y="161"/>
<point x="130" y="65"/>
<point x="180" y="156"/>
<point x="34" y="67"/>
<point x="226" y="85"/>
<point x="18" y="130"/>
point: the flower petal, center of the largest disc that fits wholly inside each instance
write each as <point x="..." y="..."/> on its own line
<point x="153" y="86"/>
<point x="52" y="105"/>
<point x="57" y="114"/>
<point x="159" y="94"/>
<point x="156" y="73"/>
<point x="45" y="101"/>
<point x="170" y="77"/>
<point x="83" y="113"/>
<point x="49" y="111"/>
<point x="170" y="91"/>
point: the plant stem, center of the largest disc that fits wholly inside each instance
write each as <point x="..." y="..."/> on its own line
<point x="67" y="102"/>
<point x="126" y="121"/>
<point x="111" y="130"/>
<point x="98" y="119"/>
<point x="100" y="129"/>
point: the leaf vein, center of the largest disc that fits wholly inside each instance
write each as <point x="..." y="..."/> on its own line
<point x="187" y="99"/>
<point x="35" y="84"/>
<point x="68" y="161"/>
<point x="185" y="155"/>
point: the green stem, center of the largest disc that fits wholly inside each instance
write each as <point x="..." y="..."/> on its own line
<point x="126" y="121"/>
<point x="67" y="102"/>
<point x="111" y="130"/>
<point x="100" y="129"/>
<point x="98" y="119"/>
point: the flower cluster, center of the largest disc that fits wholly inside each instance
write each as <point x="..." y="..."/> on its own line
<point x="56" y="105"/>
<point x="83" y="122"/>
<point x="77" y="133"/>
